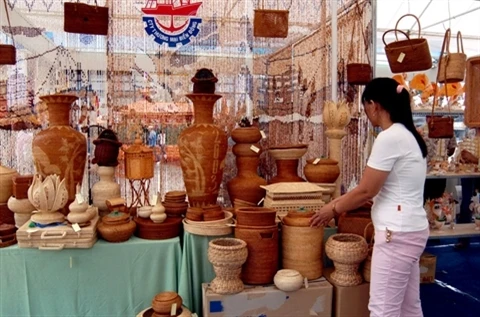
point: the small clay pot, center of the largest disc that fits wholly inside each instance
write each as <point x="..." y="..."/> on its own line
<point x="246" y="135"/>
<point x="325" y="171"/>
<point x="194" y="214"/>
<point x="116" y="227"/>
<point x="162" y="302"/>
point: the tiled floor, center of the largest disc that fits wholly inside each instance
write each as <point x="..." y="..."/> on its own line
<point x="456" y="291"/>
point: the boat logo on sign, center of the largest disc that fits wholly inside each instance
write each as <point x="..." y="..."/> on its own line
<point x="173" y="22"/>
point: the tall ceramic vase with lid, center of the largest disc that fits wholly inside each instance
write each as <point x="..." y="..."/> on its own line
<point x="60" y="149"/>
<point x="203" y="146"/>
<point x="246" y="185"/>
<point x="106" y="153"/>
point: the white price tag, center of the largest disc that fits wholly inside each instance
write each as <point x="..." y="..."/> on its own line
<point x="254" y="149"/>
<point x="401" y="57"/>
<point x="173" y="310"/>
<point x="316" y="161"/>
<point x="79" y="198"/>
<point x="264" y="136"/>
<point x="260" y="202"/>
<point x="154" y="200"/>
<point x="76" y="227"/>
<point x="306" y="282"/>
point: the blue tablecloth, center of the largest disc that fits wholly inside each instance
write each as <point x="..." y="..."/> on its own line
<point x="110" y="279"/>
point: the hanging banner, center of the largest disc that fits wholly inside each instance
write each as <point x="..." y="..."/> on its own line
<point x="173" y="22"/>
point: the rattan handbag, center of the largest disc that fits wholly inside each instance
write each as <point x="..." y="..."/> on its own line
<point x="453" y="65"/>
<point x="84" y="18"/>
<point x="440" y="127"/>
<point x="8" y="53"/>
<point x="407" y="55"/>
<point x="270" y="23"/>
<point x="359" y="73"/>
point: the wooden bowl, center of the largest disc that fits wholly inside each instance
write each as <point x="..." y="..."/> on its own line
<point x="194" y="214"/>
<point x="213" y="215"/>
<point x="147" y="229"/>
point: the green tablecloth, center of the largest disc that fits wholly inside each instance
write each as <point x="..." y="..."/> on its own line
<point x="196" y="269"/>
<point x="110" y="279"/>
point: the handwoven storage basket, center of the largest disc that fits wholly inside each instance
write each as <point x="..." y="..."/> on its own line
<point x="270" y="23"/>
<point x="472" y="98"/>
<point x="347" y="251"/>
<point x="263" y="253"/>
<point x="452" y="66"/>
<point x="302" y="250"/>
<point x="8" y="54"/>
<point x="86" y="19"/>
<point x="202" y="228"/>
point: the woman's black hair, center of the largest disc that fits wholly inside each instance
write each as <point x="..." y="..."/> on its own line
<point x="383" y="91"/>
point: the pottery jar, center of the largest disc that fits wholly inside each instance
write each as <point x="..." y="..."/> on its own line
<point x="6" y="183"/>
<point x="286" y="159"/>
<point x="288" y="280"/>
<point x="203" y="147"/>
<point x="82" y="217"/>
<point x="144" y="211"/>
<point x="325" y="170"/>
<point x="106" y="188"/>
<point x="116" y="227"/>
<point x="162" y="303"/>
<point x="246" y="184"/>
<point x="60" y="149"/>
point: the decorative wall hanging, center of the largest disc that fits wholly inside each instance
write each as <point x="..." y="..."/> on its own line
<point x="8" y="54"/>
<point x="270" y="23"/>
<point x="407" y="55"/>
<point x="452" y="66"/>
<point x="169" y="33"/>
<point x="86" y="19"/>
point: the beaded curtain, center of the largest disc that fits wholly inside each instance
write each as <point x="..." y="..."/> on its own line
<point x="138" y="83"/>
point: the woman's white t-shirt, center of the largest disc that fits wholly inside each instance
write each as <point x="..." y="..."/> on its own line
<point x="399" y="204"/>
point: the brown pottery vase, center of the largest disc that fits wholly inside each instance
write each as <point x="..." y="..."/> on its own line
<point x="60" y="149"/>
<point x="246" y="185"/>
<point x="325" y="170"/>
<point x="203" y="147"/>
<point x="286" y="159"/>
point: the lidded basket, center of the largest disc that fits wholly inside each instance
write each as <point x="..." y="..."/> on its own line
<point x="139" y="162"/>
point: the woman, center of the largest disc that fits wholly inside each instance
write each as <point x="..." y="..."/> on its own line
<point x="394" y="179"/>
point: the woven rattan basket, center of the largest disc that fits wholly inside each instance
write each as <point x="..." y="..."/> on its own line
<point x="302" y="250"/>
<point x="270" y="23"/>
<point x="347" y="252"/>
<point x="367" y="264"/>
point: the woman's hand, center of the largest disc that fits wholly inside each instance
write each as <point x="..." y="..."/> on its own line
<point x="322" y="217"/>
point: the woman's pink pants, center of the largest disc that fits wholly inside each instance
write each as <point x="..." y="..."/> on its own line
<point x="395" y="274"/>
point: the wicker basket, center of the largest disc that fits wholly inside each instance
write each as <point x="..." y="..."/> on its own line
<point x="202" y="228"/>
<point x="139" y="161"/>
<point x="227" y="256"/>
<point x="85" y="19"/>
<point x="302" y="250"/>
<point x="472" y="97"/>
<point x="359" y="74"/>
<point x="263" y="253"/>
<point x="356" y="222"/>
<point x="270" y="23"/>
<point x="8" y="54"/>
<point x="347" y="252"/>
<point x="451" y="68"/>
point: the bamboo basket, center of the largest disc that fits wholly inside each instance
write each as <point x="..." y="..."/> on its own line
<point x="356" y="222"/>
<point x="302" y="250"/>
<point x="472" y="94"/>
<point x="8" y="53"/>
<point x="86" y="19"/>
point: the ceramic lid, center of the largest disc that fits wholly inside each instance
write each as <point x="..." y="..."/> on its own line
<point x="115" y="217"/>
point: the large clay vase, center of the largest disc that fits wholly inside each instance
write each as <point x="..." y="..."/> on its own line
<point x="60" y="149"/>
<point x="246" y="185"/>
<point x="286" y="159"/>
<point x="203" y="147"/>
